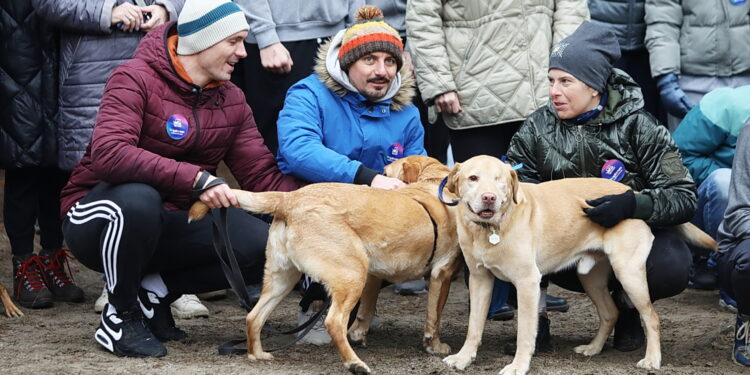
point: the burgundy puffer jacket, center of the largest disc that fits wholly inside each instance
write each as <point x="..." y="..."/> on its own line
<point x="137" y="138"/>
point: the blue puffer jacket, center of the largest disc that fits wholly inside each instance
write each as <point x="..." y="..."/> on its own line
<point x="624" y="17"/>
<point x="327" y="132"/>
<point x="707" y="136"/>
<point x="90" y="49"/>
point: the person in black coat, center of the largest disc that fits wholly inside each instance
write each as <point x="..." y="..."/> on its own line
<point x="28" y="153"/>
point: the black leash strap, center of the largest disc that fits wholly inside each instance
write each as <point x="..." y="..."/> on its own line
<point x="232" y="272"/>
<point x="230" y="347"/>
<point x="225" y="251"/>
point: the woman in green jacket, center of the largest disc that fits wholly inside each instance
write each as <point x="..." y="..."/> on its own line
<point x="594" y="125"/>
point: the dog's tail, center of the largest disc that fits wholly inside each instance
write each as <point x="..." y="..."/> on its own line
<point x="694" y="236"/>
<point x="267" y="202"/>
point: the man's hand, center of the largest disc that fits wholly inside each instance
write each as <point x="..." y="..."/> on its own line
<point x="129" y="15"/>
<point x="448" y="102"/>
<point x="276" y="59"/>
<point x="609" y="210"/>
<point x="159" y="16"/>
<point x="387" y="183"/>
<point x="217" y="196"/>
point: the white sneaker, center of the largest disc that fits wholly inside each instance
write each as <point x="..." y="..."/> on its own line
<point x="189" y="306"/>
<point x="101" y="301"/>
<point x="318" y="335"/>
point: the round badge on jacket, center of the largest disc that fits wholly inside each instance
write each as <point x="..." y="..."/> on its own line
<point x="394" y="152"/>
<point x="613" y="169"/>
<point x="177" y="127"/>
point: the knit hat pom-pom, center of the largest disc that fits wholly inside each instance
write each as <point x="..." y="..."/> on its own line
<point x="368" y="12"/>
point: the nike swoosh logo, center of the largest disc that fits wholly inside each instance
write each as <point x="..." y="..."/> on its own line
<point x="115" y="335"/>
<point x="149" y="313"/>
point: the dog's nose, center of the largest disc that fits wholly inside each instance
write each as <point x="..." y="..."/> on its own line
<point x="489" y="198"/>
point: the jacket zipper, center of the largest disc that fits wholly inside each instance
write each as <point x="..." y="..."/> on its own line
<point x="580" y="150"/>
<point x="198" y="91"/>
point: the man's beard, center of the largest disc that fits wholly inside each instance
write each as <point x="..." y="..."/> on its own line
<point x="373" y="94"/>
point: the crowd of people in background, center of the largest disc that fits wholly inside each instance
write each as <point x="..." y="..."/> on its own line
<point x="104" y="101"/>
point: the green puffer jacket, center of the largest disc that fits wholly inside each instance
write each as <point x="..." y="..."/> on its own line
<point x="551" y="149"/>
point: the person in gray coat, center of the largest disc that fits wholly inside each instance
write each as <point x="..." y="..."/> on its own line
<point x="96" y="37"/>
<point x="281" y="49"/>
<point x="733" y="259"/>
<point x="696" y="46"/>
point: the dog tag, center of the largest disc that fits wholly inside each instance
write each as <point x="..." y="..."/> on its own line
<point x="494" y="238"/>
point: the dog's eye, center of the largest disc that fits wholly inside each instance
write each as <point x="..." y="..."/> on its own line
<point x="474" y="178"/>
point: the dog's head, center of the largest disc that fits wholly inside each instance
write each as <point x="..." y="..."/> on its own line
<point x="485" y="185"/>
<point x="416" y="168"/>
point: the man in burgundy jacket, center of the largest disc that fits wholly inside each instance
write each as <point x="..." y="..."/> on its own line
<point x="166" y="120"/>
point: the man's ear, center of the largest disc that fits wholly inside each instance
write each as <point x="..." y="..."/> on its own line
<point x="452" y="184"/>
<point x="411" y="172"/>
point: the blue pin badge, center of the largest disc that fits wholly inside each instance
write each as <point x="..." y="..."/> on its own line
<point x="394" y="152"/>
<point x="613" y="169"/>
<point x="177" y="127"/>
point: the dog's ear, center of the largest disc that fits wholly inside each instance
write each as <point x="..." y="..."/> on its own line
<point x="514" y="185"/>
<point x="411" y="172"/>
<point x="452" y="184"/>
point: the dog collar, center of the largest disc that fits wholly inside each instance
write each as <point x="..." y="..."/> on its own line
<point x="454" y="201"/>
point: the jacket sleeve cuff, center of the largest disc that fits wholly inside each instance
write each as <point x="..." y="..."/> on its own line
<point x="644" y="206"/>
<point x="364" y="175"/>
<point x="105" y="21"/>
<point x="266" y="38"/>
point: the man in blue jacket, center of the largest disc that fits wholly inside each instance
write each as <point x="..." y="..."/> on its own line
<point x="352" y="117"/>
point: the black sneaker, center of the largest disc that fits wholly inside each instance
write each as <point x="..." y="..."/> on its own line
<point x="127" y="335"/>
<point x="57" y="280"/>
<point x="159" y="316"/>
<point x="558" y="304"/>
<point x="543" y="339"/>
<point x="28" y="284"/>
<point x="629" y="334"/>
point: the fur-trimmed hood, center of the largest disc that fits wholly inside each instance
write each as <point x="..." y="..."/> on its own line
<point x="402" y="98"/>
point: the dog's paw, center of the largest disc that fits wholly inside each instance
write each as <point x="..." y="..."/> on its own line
<point x="458" y="361"/>
<point x="649" y="364"/>
<point x="437" y="348"/>
<point x="262" y="356"/>
<point x="587" y="350"/>
<point x="358" y="368"/>
<point x="514" y="369"/>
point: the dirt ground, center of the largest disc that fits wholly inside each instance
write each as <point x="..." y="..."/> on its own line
<point x="696" y="338"/>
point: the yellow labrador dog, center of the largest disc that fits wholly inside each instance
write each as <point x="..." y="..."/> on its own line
<point x="519" y="232"/>
<point x="350" y="238"/>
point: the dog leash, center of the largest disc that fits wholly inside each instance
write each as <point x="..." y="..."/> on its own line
<point x="232" y="272"/>
<point x="434" y="233"/>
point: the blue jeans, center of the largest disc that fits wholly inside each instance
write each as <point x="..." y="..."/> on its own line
<point x="713" y="194"/>
<point x="500" y="291"/>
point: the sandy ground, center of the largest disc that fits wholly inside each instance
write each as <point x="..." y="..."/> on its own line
<point x="696" y="338"/>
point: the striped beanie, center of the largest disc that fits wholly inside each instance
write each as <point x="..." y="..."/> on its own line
<point x="370" y="33"/>
<point x="203" y="23"/>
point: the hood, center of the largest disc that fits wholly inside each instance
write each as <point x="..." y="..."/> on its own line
<point x="401" y="98"/>
<point x="153" y="50"/>
<point x="624" y="98"/>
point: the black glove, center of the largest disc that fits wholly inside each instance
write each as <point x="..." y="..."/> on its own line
<point x="609" y="210"/>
